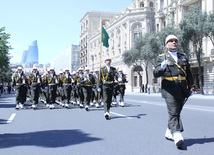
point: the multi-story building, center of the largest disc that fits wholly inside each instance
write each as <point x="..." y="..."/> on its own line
<point x="122" y="28"/>
<point x="168" y="10"/>
<point x="30" y="54"/>
<point x="90" y="25"/>
<point x="67" y="59"/>
<point x="143" y="16"/>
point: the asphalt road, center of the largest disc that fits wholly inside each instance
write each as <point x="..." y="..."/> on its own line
<point x="136" y="129"/>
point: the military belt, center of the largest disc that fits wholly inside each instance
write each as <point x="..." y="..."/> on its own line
<point x="66" y="83"/>
<point x="171" y="78"/>
<point x="51" y="84"/>
<point x="121" y="83"/>
<point x="87" y="85"/>
<point x="108" y="82"/>
<point x="18" y="84"/>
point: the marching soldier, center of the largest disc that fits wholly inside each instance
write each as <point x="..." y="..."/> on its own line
<point x="108" y="76"/>
<point x="115" y="93"/>
<point x="34" y="81"/>
<point x="92" y="94"/>
<point x="67" y="82"/>
<point x="176" y="84"/>
<point x="60" y="90"/>
<point x="121" y="86"/>
<point x="52" y="87"/>
<point x="18" y="80"/>
<point x="74" y="95"/>
<point x="79" y="78"/>
<point x="87" y="81"/>
<point x="96" y="84"/>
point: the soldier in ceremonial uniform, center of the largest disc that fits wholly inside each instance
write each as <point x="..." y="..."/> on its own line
<point x="67" y="82"/>
<point x="177" y="85"/>
<point x="108" y="76"/>
<point x="74" y="95"/>
<point x="79" y="78"/>
<point x="18" y="80"/>
<point x="92" y="93"/>
<point x="96" y="79"/>
<point x="52" y="87"/>
<point x="122" y="86"/>
<point x="87" y="82"/>
<point x="60" y="89"/>
<point x="34" y="81"/>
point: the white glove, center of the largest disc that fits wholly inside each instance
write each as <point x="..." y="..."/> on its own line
<point x="46" y="87"/>
<point x="193" y="92"/>
<point x="59" y="88"/>
<point x="119" y="79"/>
<point x="99" y="89"/>
<point x="164" y="64"/>
<point x="93" y="89"/>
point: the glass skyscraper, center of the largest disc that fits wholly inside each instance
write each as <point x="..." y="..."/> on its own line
<point x="31" y="54"/>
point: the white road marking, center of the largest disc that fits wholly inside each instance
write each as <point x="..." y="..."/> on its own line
<point x="11" y="118"/>
<point x="192" y="107"/>
<point x="120" y="115"/>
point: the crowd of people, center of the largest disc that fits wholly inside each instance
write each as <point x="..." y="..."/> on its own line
<point x="84" y="89"/>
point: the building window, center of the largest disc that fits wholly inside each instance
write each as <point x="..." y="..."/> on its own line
<point x="151" y="4"/>
<point x="142" y="4"/>
<point x="135" y="35"/>
<point x="135" y="81"/>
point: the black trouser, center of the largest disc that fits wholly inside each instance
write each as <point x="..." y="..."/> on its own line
<point x="20" y="94"/>
<point x="52" y="93"/>
<point x="67" y="93"/>
<point x="87" y="90"/>
<point x="174" y="107"/>
<point x="80" y="94"/>
<point x="122" y="92"/>
<point x="107" y="96"/>
<point x="34" y="93"/>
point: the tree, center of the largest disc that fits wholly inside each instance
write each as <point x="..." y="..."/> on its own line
<point x="145" y="50"/>
<point x="4" y="60"/>
<point x="209" y="27"/>
<point x="193" y="28"/>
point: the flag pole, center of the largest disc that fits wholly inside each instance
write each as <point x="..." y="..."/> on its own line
<point x="100" y="57"/>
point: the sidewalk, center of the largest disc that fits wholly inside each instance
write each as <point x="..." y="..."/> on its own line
<point x="159" y="95"/>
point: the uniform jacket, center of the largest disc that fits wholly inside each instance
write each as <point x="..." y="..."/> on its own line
<point x="108" y="76"/>
<point x="50" y="79"/>
<point x="178" y="89"/>
<point x="87" y="80"/>
<point x="65" y="79"/>
<point x="123" y="78"/>
<point x="34" y="78"/>
<point x="16" y="79"/>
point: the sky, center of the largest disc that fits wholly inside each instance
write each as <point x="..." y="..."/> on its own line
<point x="55" y="24"/>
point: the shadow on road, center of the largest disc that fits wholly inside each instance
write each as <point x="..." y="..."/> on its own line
<point x="52" y="138"/>
<point x="190" y="142"/>
<point x="135" y="116"/>
<point x="3" y="121"/>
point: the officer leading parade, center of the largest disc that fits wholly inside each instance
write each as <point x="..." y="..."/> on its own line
<point x="134" y="81"/>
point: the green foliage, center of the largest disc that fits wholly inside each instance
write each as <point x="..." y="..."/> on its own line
<point x="209" y="27"/>
<point x="4" y="60"/>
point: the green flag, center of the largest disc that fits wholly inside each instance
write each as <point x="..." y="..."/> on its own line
<point x="105" y="37"/>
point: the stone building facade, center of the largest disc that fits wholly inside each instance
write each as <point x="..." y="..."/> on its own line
<point x="123" y="28"/>
<point x="167" y="10"/>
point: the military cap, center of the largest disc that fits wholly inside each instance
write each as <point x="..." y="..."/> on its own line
<point x="169" y="37"/>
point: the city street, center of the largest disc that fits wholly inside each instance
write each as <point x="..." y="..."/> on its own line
<point x="136" y="129"/>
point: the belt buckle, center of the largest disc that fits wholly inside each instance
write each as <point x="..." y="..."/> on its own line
<point x="179" y="78"/>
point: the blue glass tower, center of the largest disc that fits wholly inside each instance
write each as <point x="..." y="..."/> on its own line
<point x="24" y="56"/>
<point x="32" y="56"/>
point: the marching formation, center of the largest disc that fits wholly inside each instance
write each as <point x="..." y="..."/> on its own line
<point x="82" y="89"/>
